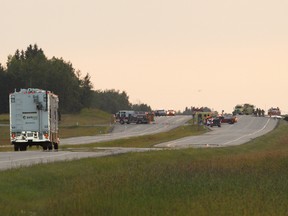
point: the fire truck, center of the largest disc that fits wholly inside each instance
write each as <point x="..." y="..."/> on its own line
<point x="33" y="119"/>
<point x="131" y="116"/>
<point x="274" y="111"/>
<point x="245" y="109"/>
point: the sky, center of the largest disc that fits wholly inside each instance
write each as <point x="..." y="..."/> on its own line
<point x="167" y="54"/>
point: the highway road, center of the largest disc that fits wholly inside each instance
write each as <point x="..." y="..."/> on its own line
<point x="245" y="129"/>
<point x="162" y="124"/>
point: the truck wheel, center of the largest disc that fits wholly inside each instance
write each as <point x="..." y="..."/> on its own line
<point x="23" y="148"/>
<point x="44" y="147"/>
<point x="16" y="147"/>
<point x="50" y="147"/>
<point x="121" y="122"/>
<point x="56" y="146"/>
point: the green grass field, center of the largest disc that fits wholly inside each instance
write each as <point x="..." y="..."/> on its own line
<point x="250" y="179"/>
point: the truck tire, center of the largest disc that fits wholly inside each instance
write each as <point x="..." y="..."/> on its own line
<point x="45" y="147"/>
<point x="56" y="146"/>
<point x="23" y="147"/>
<point x="50" y="147"/>
<point x="16" y="147"/>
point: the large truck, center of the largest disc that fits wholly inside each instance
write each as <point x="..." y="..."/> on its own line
<point x="238" y="109"/>
<point x="248" y="109"/>
<point x="123" y="116"/>
<point x="131" y="116"/>
<point x="33" y="119"/>
<point x="245" y="109"/>
<point x="273" y="111"/>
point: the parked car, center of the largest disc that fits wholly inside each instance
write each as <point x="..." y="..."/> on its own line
<point x="160" y="113"/>
<point x="171" y="113"/>
<point x="230" y="119"/>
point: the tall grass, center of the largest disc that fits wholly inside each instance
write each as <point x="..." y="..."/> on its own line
<point x="4" y="118"/>
<point x="250" y="179"/>
<point x="87" y="117"/>
<point x="4" y="137"/>
<point x="4" y="131"/>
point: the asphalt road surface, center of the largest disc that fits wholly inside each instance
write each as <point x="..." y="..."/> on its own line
<point x="245" y="129"/>
<point x="162" y="124"/>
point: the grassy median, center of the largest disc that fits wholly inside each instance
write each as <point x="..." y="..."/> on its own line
<point x="250" y="179"/>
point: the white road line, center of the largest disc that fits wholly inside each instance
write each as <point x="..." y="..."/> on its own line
<point x="249" y="134"/>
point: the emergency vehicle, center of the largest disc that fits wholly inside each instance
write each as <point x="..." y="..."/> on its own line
<point x="274" y="111"/>
<point x="131" y="116"/>
<point x="33" y="119"/>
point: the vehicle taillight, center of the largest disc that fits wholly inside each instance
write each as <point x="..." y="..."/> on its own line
<point x="13" y="135"/>
<point x="46" y="135"/>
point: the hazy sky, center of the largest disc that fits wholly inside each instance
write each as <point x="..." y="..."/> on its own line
<point x="168" y="54"/>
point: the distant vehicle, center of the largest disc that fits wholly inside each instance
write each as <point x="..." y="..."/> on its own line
<point x="245" y="109"/>
<point x="171" y="113"/>
<point x="238" y="110"/>
<point x="248" y="109"/>
<point x="274" y="112"/>
<point x="230" y="119"/>
<point x="131" y="116"/>
<point x="138" y="118"/>
<point x="34" y="119"/>
<point x="213" y="122"/>
<point x="123" y="115"/>
<point x="160" y="113"/>
<point x="216" y="122"/>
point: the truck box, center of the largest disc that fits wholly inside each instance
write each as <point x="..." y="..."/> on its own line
<point x="33" y="119"/>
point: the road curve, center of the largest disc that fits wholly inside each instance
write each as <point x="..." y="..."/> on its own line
<point x="161" y="124"/>
<point x="10" y="160"/>
<point x="245" y="129"/>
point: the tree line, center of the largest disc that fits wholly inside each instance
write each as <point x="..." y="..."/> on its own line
<point x="30" y="68"/>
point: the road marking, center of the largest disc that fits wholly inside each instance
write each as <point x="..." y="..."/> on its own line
<point x="248" y="134"/>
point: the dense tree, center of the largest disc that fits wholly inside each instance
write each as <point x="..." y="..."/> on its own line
<point x="141" y="107"/>
<point x="25" y="69"/>
<point x="31" y="69"/>
<point x="62" y="80"/>
<point x="111" y="100"/>
<point x="86" y="93"/>
<point x="4" y="92"/>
